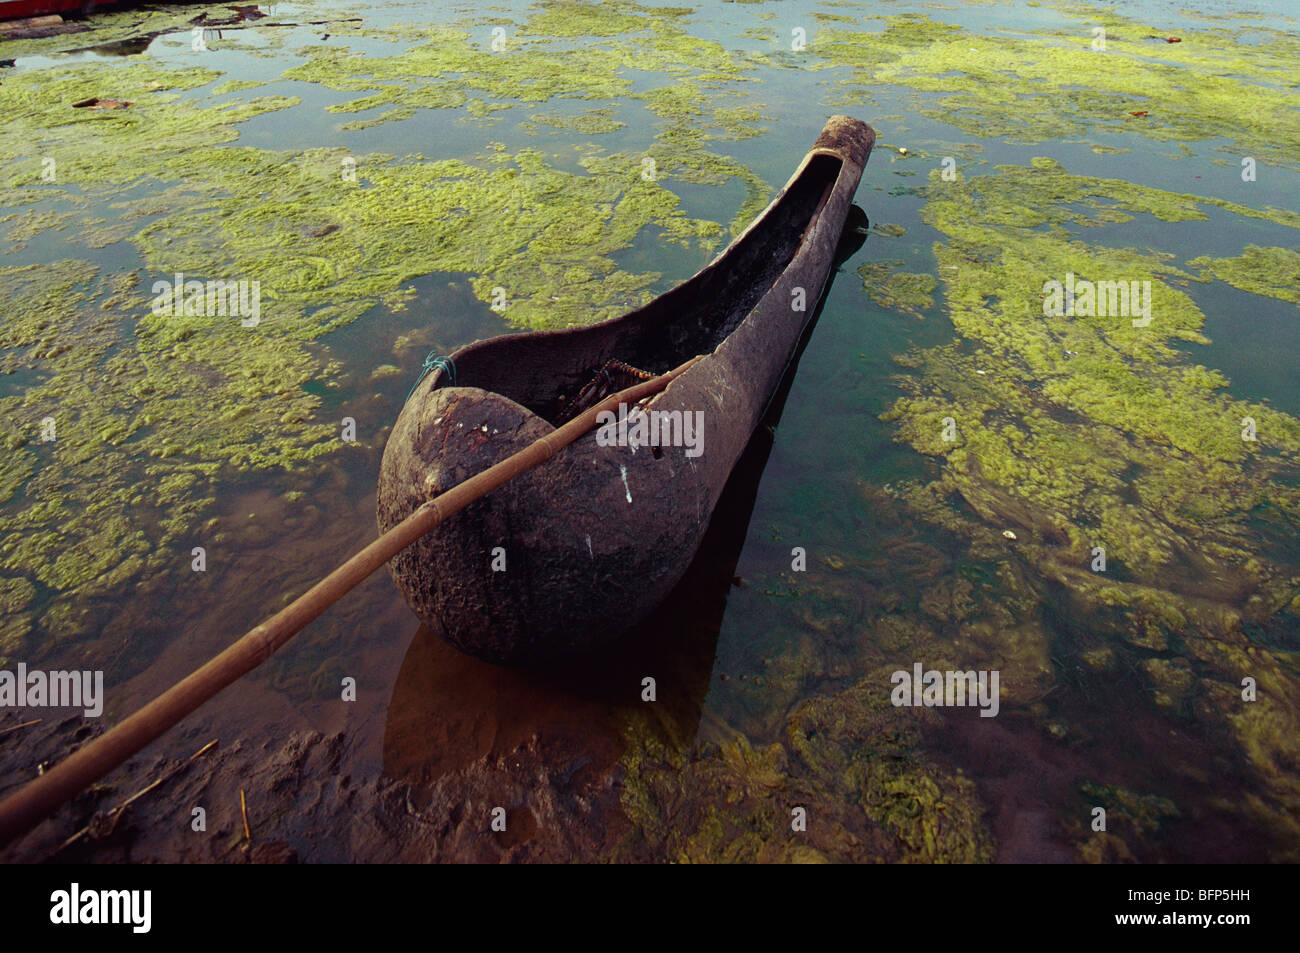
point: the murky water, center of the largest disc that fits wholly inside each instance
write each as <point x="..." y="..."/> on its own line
<point x="380" y="169"/>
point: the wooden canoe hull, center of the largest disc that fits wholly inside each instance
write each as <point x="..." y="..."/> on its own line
<point x="574" y="552"/>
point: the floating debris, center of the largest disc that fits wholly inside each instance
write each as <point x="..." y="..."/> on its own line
<point x="239" y="15"/>
<point x="96" y="103"/>
<point x="36" y="28"/>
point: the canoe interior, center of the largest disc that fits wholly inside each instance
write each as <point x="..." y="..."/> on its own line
<point x="539" y="370"/>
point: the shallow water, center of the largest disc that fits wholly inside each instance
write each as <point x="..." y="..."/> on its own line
<point x="1120" y="690"/>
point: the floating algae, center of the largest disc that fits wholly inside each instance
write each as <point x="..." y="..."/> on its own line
<point x="1129" y="817"/>
<point x="1272" y="272"/>
<point x="83" y="524"/>
<point x="16" y="594"/>
<point x="455" y="69"/>
<point x="1088" y="431"/>
<point x="236" y="86"/>
<point x="111" y="150"/>
<point x="573" y="19"/>
<point x="458" y="66"/>
<point x="18" y="227"/>
<point x="1053" y="86"/>
<point x="1124" y="379"/>
<point x="808" y="718"/>
<point x="589" y="122"/>
<point x="327" y="235"/>
<point x="454" y="63"/>
<point x="413" y="218"/>
<point x="850" y="761"/>
<point x="896" y="290"/>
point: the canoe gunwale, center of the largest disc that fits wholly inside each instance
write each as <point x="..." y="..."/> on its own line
<point x="845" y="140"/>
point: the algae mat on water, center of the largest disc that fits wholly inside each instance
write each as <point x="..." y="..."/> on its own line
<point x="1092" y="437"/>
<point x="181" y="404"/>
<point x="1059" y="440"/>
<point x="1231" y="84"/>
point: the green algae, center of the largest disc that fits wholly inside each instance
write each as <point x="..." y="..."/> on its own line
<point x="236" y="86"/>
<point x="1053" y="86"/>
<point x="390" y="115"/>
<point x="850" y="761"/>
<point x="449" y="65"/>
<point x="1081" y="431"/>
<point x="1104" y="370"/>
<point x="908" y="292"/>
<point x="589" y="122"/>
<point x="1129" y="816"/>
<point x="566" y="18"/>
<point x="227" y="170"/>
<point x="833" y="18"/>
<point x="796" y="738"/>
<point x="1171" y="679"/>
<point x="16" y="595"/>
<point x="85" y="524"/>
<point x="19" y="227"/>
<point x="1272" y="272"/>
<point x="78" y="520"/>
<point x="106" y="150"/>
<point x="453" y="70"/>
<point x="325" y="246"/>
<point x="858" y="742"/>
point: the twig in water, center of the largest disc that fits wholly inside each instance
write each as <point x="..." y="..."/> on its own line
<point x="25" y="724"/>
<point x="104" y="824"/>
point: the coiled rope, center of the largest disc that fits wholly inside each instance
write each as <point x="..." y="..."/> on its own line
<point x="434" y="362"/>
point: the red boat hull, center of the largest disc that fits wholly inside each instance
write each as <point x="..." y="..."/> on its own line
<point x="22" y="9"/>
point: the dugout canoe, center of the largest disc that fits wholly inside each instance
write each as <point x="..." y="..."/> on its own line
<point x="576" y="551"/>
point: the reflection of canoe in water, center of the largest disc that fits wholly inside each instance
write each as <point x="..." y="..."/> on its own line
<point x="575" y="551"/>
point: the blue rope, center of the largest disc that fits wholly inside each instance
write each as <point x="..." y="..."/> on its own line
<point x="434" y="362"/>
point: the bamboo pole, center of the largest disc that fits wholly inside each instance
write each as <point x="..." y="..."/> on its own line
<point x="36" y="800"/>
